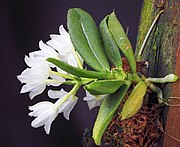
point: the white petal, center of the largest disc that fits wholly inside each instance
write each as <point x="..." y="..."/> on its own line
<point x="45" y="52"/>
<point x="30" y="75"/>
<point x="58" y="40"/>
<point x="61" y="44"/>
<point x="53" y="83"/>
<point x="66" y="106"/>
<point x="55" y="37"/>
<point x="63" y="32"/>
<point x="29" y="61"/>
<point x="72" y="60"/>
<point x="57" y="45"/>
<point x="28" y="88"/>
<point x="88" y="96"/>
<point x="57" y="77"/>
<point x="54" y="44"/>
<point x="45" y="117"/>
<point x="45" y="113"/>
<point x="93" y="101"/>
<point x="36" y="91"/>
<point x="39" y="121"/>
<point x="56" y="94"/>
<point x="43" y="46"/>
<point x="48" y="123"/>
<point x="34" y="62"/>
<point x="47" y="126"/>
<point x="38" y="108"/>
<point x="69" y="108"/>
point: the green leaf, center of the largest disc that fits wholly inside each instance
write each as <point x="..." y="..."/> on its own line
<point x="122" y="40"/>
<point x="134" y="101"/>
<point x="112" y="50"/>
<point x="107" y="110"/>
<point x="86" y="39"/>
<point x="77" y="71"/>
<point x="103" y="86"/>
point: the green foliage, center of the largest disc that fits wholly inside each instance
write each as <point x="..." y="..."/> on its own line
<point x="86" y="39"/>
<point x="107" y="110"/>
<point x="111" y="47"/>
<point x="114" y="82"/>
<point x="104" y="86"/>
<point x="134" y="101"/>
<point x="77" y="71"/>
<point x="121" y="40"/>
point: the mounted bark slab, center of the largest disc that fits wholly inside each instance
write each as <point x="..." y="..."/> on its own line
<point x="162" y="51"/>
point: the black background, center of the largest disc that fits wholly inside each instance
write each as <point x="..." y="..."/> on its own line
<point x="22" y="24"/>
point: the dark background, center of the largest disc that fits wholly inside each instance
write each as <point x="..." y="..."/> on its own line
<point x="22" y="24"/>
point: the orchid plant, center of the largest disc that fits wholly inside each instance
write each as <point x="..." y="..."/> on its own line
<point x="60" y="61"/>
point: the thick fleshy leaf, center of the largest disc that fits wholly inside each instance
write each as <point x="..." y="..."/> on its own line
<point x="86" y="39"/>
<point x="103" y="86"/>
<point x="121" y="40"/>
<point x="79" y="72"/>
<point x="111" y="48"/>
<point x="107" y="110"/>
<point x="134" y="101"/>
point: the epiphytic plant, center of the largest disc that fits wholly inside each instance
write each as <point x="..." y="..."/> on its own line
<point x="60" y="60"/>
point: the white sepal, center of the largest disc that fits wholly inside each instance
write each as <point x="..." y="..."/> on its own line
<point x="34" y="76"/>
<point x="45" y="112"/>
<point x="62" y="43"/>
<point x="93" y="101"/>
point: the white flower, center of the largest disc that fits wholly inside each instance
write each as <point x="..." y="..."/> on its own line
<point x="62" y="43"/>
<point x="45" y="52"/>
<point x="93" y="101"/>
<point x="66" y="106"/>
<point x="35" y="77"/>
<point x="59" y="47"/>
<point x="45" y="112"/>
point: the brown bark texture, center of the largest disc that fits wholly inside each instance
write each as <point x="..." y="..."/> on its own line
<point x="162" y="51"/>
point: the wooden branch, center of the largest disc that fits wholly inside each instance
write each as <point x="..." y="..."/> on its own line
<point x="162" y="51"/>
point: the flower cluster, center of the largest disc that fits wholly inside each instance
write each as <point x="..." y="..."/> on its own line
<point x="41" y="73"/>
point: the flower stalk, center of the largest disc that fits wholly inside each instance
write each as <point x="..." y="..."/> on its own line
<point x="71" y="93"/>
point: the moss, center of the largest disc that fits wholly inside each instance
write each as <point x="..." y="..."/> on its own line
<point x="145" y="22"/>
<point x="160" y="48"/>
<point x="166" y="56"/>
<point x="162" y="52"/>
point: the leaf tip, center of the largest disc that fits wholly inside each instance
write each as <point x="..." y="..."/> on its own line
<point x="97" y="140"/>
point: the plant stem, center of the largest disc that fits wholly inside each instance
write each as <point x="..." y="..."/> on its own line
<point x="78" y="59"/>
<point x="168" y="78"/>
<point x="158" y="91"/>
<point x="66" y="76"/>
<point x="72" y="92"/>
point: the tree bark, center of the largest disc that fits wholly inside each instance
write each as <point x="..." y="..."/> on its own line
<point x="162" y="52"/>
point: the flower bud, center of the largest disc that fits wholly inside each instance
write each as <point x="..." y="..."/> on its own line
<point x="170" y="78"/>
